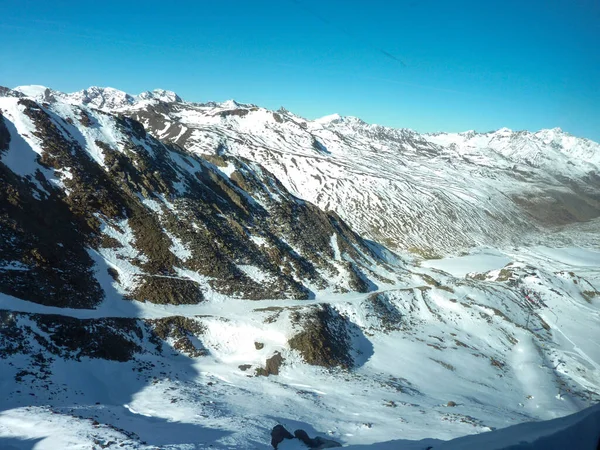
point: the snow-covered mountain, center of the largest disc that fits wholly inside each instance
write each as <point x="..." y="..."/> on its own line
<point x="166" y="280"/>
<point x="431" y="193"/>
<point x="98" y="97"/>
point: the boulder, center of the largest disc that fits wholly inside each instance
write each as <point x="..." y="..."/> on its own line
<point x="317" y="443"/>
<point x="278" y="434"/>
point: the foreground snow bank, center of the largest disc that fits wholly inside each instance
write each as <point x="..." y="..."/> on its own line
<point x="580" y="431"/>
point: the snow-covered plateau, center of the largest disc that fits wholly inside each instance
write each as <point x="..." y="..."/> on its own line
<point x="177" y="275"/>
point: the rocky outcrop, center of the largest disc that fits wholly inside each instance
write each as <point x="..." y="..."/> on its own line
<point x="396" y="186"/>
<point x="316" y="443"/>
<point x="272" y="366"/>
<point x="324" y="339"/>
<point x="279" y="434"/>
<point x="112" y="339"/>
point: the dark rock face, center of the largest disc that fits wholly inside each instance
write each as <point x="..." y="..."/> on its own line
<point x="70" y="338"/>
<point x="384" y="311"/>
<point x="8" y="92"/>
<point x="183" y="330"/>
<point x="324" y="338"/>
<point x="278" y="434"/>
<point x="317" y="443"/>
<point x="113" y="339"/>
<point x="42" y="242"/>
<point x="272" y="366"/>
<point x="4" y="136"/>
<point x="173" y="291"/>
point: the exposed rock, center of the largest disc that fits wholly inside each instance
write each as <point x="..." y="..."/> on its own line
<point x="183" y="331"/>
<point x="278" y="434"/>
<point x="381" y="308"/>
<point x="272" y="366"/>
<point x="324" y="338"/>
<point x="316" y="443"/>
<point x="163" y="194"/>
<point x="116" y="339"/>
<point x="165" y="290"/>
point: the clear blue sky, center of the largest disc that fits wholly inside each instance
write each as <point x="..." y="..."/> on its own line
<point x="424" y="64"/>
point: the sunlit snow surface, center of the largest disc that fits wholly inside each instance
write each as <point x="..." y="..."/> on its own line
<point x="398" y="392"/>
<point x="481" y="260"/>
<point x="459" y="331"/>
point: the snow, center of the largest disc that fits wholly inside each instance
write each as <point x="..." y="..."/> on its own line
<point x="159" y="94"/>
<point x="179" y="248"/>
<point x="151" y="204"/>
<point x="403" y="368"/>
<point x="328" y="119"/>
<point x="481" y="260"/>
<point x="228" y="169"/>
<point x="120" y="259"/>
<point x="258" y="240"/>
<point x="24" y="148"/>
<point x="255" y="273"/>
<point x="34" y="91"/>
<point x="571" y="256"/>
<point x="336" y="249"/>
<point x="432" y="336"/>
<point x="230" y="104"/>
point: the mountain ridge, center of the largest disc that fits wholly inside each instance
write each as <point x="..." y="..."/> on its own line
<point x="398" y="186"/>
<point x="118" y="98"/>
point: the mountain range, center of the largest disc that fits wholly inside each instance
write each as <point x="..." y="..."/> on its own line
<point x="184" y="275"/>
<point x="435" y="194"/>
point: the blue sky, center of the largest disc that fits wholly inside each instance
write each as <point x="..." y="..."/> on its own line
<point x="431" y="65"/>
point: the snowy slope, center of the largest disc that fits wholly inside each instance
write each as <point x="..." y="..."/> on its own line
<point x="98" y="97"/>
<point x="432" y="194"/>
<point x="415" y="348"/>
<point x="152" y="298"/>
<point x="552" y="149"/>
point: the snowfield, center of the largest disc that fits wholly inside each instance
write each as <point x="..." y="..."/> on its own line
<point x="498" y="348"/>
<point x="478" y="346"/>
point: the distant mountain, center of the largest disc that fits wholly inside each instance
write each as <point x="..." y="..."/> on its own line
<point x="430" y="193"/>
<point x="98" y="97"/>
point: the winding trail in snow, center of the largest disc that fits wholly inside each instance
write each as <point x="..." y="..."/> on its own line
<point x="222" y="308"/>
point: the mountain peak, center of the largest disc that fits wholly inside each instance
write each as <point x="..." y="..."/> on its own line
<point x="161" y="95"/>
<point x="97" y="96"/>
<point x="328" y="119"/>
<point x="103" y="97"/>
<point x="35" y="91"/>
<point x="504" y="131"/>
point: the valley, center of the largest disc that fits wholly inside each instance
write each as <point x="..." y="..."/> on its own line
<point x="182" y="276"/>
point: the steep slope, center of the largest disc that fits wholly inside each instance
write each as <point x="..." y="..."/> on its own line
<point x="435" y="357"/>
<point x="151" y="297"/>
<point x="166" y="225"/>
<point x="432" y="194"/>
